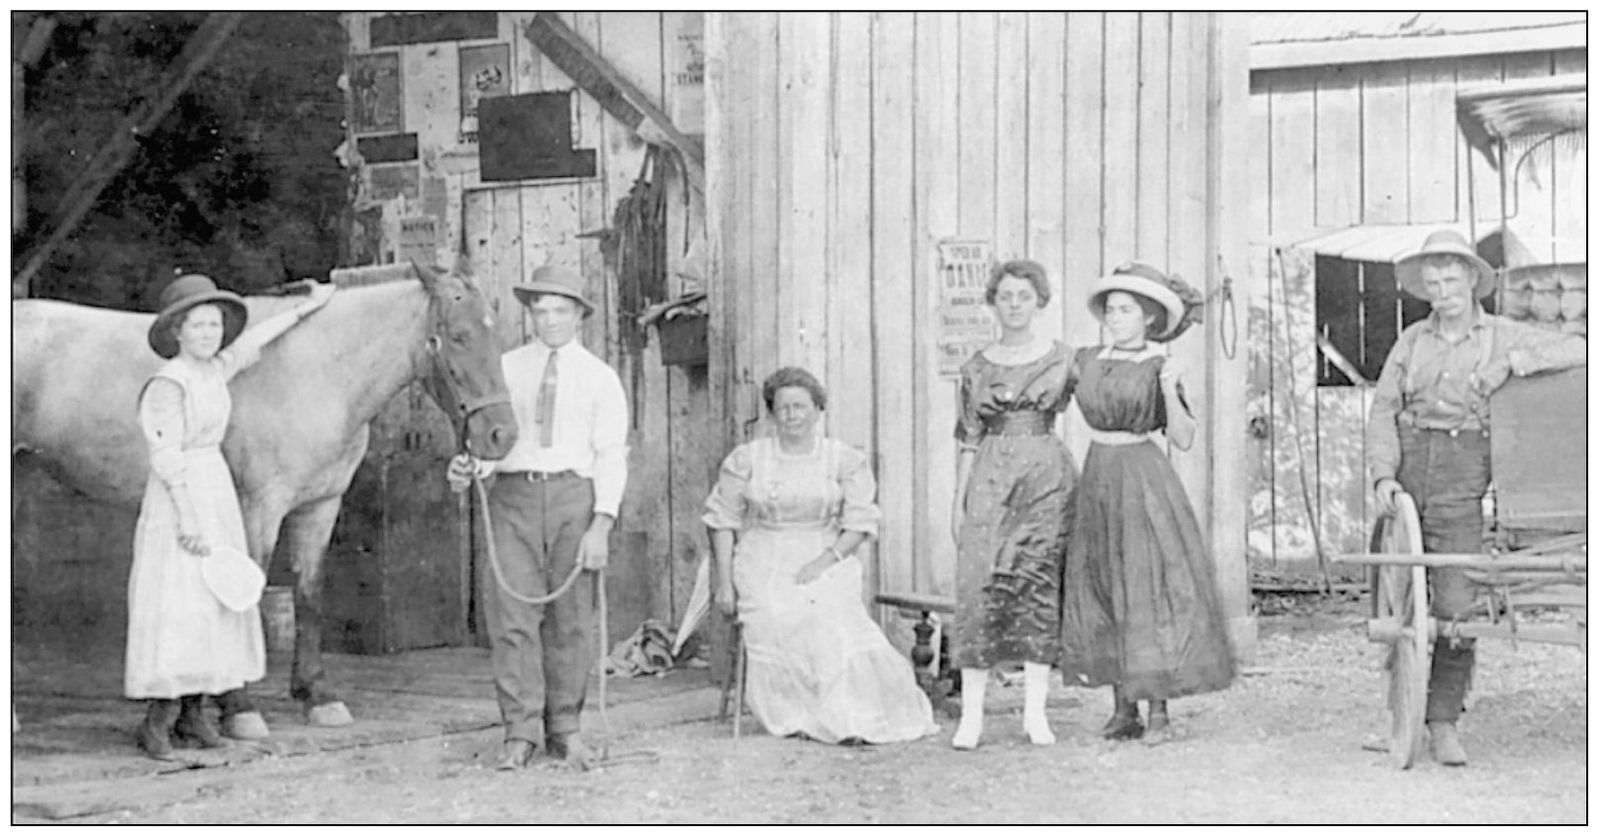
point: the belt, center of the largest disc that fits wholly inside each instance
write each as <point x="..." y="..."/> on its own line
<point x="533" y="476"/>
<point x="1117" y="438"/>
<point x="1019" y="424"/>
<point x="1407" y="421"/>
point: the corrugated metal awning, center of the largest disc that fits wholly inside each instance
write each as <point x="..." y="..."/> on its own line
<point x="1522" y="114"/>
<point x="1383" y="242"/>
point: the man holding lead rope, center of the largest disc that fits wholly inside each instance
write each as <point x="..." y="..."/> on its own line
<point x="552" y="502"/>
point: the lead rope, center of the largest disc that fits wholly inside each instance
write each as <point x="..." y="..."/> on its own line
<point x="496" y="566"/>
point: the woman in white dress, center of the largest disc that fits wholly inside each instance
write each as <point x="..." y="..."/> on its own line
<point x="785" y="519"/>
<point x="184" y="644"/>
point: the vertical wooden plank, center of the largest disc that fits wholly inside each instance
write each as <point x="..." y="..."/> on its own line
<point x="976" y="125"/>
<point x="1486" y="186"/>
<point x="805" y="112"/>
<point x="848" y="277"/>
<point x="766" y="315"/>
<point x="1292" y="103"/>
<point x="1187" y="252"/>
<point x="1385" y="164"/>
<point x="1153" y="139"/>
<point x="732" y="105"/>
<point x="1431" y="141"/>
<point x="1043" y="166"/>
<point x="507" y="257"/>
<point x="892" y="298"/>
<point x="1120" y="203"/>
<point x="937" y="215"/>
<point x="1012" y="133"/>
<point x="591" y="198"/>
<point x="1082" y="190"/>
<point x="1258" y="155"/>
<point x="524" y="59"/>
<point x="1250" y="289"/>
<point x="1337" y="175"/>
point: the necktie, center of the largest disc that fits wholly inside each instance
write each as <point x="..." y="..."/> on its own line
<point x="546" y="398"/>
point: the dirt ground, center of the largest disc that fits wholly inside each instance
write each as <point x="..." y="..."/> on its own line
<point x="1282" y="745"/>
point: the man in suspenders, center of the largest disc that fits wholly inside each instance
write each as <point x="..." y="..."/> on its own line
<point x="1428" y="434"/>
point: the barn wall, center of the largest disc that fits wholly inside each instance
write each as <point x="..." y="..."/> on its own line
<point x="1343" y="145"/>
<point x="504" y="230"/>
<point x="844" y="148"/>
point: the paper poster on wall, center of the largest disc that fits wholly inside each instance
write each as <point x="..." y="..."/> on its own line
<point x="964" y="323"/>
<point x="376" y="93"/>
<point x="483" y="72"/>
<point x="687" y="63"/>
<point x="387" y="182"/>
<point x="417" y="240"/>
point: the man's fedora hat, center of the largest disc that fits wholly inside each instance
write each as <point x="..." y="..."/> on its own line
<point x="1409" y="269"/>
<point x="555" y="279"/>
<point x="184" y="294"/>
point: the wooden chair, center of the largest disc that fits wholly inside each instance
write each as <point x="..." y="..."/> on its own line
<point x="736" y="681"/>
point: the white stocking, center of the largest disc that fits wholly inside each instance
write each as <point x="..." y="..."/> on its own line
<point x="973" y="688"/>
<point x="1033" y="718"/>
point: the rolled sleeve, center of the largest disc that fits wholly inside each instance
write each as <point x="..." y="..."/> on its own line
<point x="610" y="430"/>
<point x="1542" y="350"/>
<point x="858" y="483"/>
<point x="161" y="416"/>
<point x="1383" y="437"/>
<point x="726" y="505"/>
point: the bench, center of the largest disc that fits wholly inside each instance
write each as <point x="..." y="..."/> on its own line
<point x="941" y="685"/>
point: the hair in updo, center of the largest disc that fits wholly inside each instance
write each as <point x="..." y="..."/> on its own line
<point x="793" y="377"/>
<point x="1157" y="321"/>
<point x="1024" y="269"/>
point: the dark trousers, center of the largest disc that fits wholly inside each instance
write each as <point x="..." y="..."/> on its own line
<point x="540" y="655"/>
<point x="1447" y="475"/>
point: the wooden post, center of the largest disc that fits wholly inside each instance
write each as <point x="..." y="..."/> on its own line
<point x="1227" y="376"/>
<point x="80" y="196"/>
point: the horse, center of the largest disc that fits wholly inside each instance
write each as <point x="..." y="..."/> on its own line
<point x="299" y="428"/>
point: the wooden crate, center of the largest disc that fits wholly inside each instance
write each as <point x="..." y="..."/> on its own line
<point x="1537" y="451"/>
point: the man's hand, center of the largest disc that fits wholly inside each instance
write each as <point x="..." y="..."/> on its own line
<point x="459" y="472"/>
<point x="594" y="543"/>
<point x="725" y="598"/>
<point x="1384" y="494"/>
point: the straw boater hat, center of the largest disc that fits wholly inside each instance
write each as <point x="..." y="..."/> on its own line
<point x="1147" y="281"/>
<point x="555" y="279"/>
<point x="184" y="294"/>
<point x="1409" y="269"/>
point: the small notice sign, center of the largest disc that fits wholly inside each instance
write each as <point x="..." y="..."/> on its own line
<point x="417" y="238"/>
<point x="964" y="323"/>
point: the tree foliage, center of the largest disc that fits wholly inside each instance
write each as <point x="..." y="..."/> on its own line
<point x="239" y="180"/>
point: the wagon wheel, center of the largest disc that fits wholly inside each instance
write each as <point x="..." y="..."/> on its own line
<point x="1400" y="596"/>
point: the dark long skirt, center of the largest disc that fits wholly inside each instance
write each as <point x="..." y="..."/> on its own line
<point x="1141" y="605"/>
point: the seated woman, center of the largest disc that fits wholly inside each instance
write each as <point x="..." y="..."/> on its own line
<point x="817" y="664"/>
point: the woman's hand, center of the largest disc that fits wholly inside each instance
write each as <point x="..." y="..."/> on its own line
<point x="1171" y="374"/>
<point x="725" y="598"/>
<point x="190" y="537"/>
<point x="817" y="566"/>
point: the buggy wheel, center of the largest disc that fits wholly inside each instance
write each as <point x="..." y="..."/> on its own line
<point x="1400" y="595"/>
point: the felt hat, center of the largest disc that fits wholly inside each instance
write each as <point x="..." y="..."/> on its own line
<point x="1409" y="268"/>
<point x="1147" y="281"/>
<point x="184" y="294"/>
<point x="555" y="279"/>
<point x="233" y="578"/>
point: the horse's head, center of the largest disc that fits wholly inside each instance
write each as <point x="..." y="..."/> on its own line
<point x="465" y="365"/>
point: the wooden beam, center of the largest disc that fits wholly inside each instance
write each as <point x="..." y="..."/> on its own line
<point x="27" y="55"/>
<point x="82" y="193"/>
<point x="595" y="75"/>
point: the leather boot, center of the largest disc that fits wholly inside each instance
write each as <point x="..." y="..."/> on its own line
<point x="1446" y="744"/>
<point x="152" y="733"/>
<point x="193" y="727"/>
<point x="1124" y="724"/>
<point x="1159" y="729"/>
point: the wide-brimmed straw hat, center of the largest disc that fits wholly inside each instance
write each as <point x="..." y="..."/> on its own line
<point x="233" y="577"/>
<point x="1146" y="281"/>
<point x="555" y="279"/>
<point x="184" y="294"/>
<point x="1409" y="268"/>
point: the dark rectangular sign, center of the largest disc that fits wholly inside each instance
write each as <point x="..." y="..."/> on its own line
<point x="391" y="148"/>
<point x="424" y="27"/>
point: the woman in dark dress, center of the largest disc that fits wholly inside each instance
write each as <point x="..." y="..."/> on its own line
<point x="1012" y="499"/>
<point x="1141" y="606"/>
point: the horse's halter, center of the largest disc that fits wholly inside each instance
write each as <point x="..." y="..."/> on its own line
<point x="466" y="408"/>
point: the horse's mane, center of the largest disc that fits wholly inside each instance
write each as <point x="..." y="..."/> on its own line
<point x="356" y="277"/>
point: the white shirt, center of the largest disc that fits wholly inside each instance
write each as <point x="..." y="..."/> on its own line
<point x="590" y="420"/>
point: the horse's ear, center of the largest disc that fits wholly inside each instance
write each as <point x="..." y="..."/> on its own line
<point x="426" y="274"/>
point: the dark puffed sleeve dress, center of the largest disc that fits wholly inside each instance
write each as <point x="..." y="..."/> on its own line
<point x="1141" y="605"/>
<point x="1013" y="536"/>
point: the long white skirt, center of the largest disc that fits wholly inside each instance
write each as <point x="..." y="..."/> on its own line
<point x="817" y="664"/>
<point x="181" y="640"/>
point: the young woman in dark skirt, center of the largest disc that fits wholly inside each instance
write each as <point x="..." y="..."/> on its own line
<point x="1141" y="611"/>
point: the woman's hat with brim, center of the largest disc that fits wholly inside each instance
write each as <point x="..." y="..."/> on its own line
<point x="1409" y="269"/>
<point x="233" y="577"/>
<point x="1138" y="278"/>
<point x="184" y="294"/>
<point x="555" y="279"/>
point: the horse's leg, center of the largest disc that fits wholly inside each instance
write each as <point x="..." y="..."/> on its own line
<point x="307" y="530"/>
<point x="239" y="715"/>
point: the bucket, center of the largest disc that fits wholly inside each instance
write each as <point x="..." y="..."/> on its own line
<point x="279" y="619"/>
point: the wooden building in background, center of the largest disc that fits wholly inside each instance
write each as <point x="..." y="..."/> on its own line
<point x="1354" y="156"/>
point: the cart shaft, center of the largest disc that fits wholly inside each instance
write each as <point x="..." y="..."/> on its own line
<point x="1568" y="561"/>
